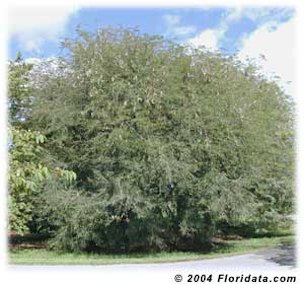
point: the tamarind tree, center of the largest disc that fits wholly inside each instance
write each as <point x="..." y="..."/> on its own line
<point x="171" y="145"/>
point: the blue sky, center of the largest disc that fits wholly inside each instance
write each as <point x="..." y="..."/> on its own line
<point x="180" y="24"/>
<point x="246" y="31"/>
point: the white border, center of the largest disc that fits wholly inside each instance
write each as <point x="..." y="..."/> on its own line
<point x="83" y="275"/>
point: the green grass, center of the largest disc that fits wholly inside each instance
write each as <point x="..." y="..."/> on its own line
<point x="42" y="256"/>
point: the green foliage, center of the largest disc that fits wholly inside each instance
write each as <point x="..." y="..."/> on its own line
<point x="170" y="145"/>
<point x="19" y="89"/>
<point x="28" y="167"/>
<point x="27" y="176"/>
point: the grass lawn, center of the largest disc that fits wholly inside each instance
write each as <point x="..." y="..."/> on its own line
<point x="43" y="256"/>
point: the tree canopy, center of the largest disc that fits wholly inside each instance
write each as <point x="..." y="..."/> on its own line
<point x="171" y="145"/>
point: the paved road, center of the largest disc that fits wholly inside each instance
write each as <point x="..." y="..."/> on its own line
<point x="276" y="259"/>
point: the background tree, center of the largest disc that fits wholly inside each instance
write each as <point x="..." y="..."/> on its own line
<point x="28" y="166"/>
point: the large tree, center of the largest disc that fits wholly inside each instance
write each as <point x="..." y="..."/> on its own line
<point x="170" y="144"/>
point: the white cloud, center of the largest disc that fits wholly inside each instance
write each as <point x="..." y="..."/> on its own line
<point x="208" y="38"/>
<point x="184" y="30"/>
<point x="274" y="39"/>
<point x="171" y="19"/>
<point x="276" y="42"/>
<point x="32" y="25"/>
<point x="257" y="14"/>
<point x="211" y="37"/>
<point x="174" y="26"/>
<point x="33" y="60"/>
